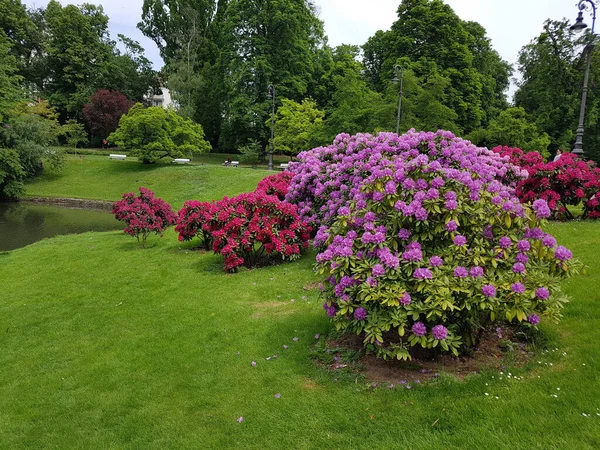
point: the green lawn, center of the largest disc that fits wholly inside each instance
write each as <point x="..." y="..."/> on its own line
<point x="97" y="177"/>
<point x="107" y="346"/>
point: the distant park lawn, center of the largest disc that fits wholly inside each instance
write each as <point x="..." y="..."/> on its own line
<point x="98" y="178"/>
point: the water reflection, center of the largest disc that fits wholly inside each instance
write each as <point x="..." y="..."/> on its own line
<point x="24" y="223"/>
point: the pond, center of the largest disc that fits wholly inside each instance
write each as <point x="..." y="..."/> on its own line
<point x="24" y="223"/>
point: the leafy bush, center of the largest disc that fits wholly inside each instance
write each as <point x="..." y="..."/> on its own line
<point x="73" y="134"/>
<point x="566" y="182"/>
<point x="144" y="214"/>
<point x="195" y="220"/>
<point x="428" y="247"/>
<point x="250" y="153"/>
<point x="277" y="184"/>
<point x="155" y="133"/>
<point x="248" y="230"/>
<point x="11" y="174"/>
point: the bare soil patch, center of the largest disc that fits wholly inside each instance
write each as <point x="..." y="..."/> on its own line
<point x="491" y="353"/>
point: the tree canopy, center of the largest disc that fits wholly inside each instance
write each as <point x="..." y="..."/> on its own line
<point x="155" y="133"/>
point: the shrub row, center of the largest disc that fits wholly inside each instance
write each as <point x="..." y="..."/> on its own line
<point x="569" y="181"/>
<point x="248" y="230"/>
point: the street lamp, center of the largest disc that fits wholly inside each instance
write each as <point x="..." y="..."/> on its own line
<point x="271" y="91"/>
<point x="398" y="69"/>
<point x="578" y="27"/>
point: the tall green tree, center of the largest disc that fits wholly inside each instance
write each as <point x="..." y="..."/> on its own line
<point x="10" y="90"/>
<point x="436" y="44"/>
<point x="551" y="71"/>
<point x="513" y="128"/>
<point x="191" y="36"/>
<point x="272" y="42"/>
<point x="297" y="126"/>
<point x="78" y="48"/>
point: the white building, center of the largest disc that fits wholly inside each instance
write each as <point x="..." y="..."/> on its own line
<point x="163" y="99"/>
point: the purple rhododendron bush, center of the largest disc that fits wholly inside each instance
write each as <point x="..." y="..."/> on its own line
<point x="421" y="244"/>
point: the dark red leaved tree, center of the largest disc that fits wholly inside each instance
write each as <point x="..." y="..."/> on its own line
<point x="104" y="111"/>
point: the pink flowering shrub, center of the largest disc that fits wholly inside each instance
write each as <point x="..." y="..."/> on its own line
<point x="426" y="247"/>
<point x="144" y="214"/>
<point x="247" y="230"/>
<point x="195" y="220"/>
<point x="563" y="183"/>
<point x="277" y="184"/>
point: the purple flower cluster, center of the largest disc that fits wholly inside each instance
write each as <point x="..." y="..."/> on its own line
<point x="562" y="253"/>
<point x="518" y="288"/>
<point x="461" y="272"/>
<point x="533" y="319"/>
<point x="542" y="293"/>
<point x="330" y="310"/>
<point x="360" y="313"/>
<point x="419" y="329"/>
<point x="413" y="252"/>
<point x="423" y="273"/>
<point x="541" y="208"/>
<point x="436" y="261"/>
<point x="460" y="240"/>
<point x="405" y="299"/>
<point x="451" y="226"/>
<point x="440" y="332"/>
<point x="489" y="290"/>
<point x="504" y="242"/>
<point x="328" y="178"/>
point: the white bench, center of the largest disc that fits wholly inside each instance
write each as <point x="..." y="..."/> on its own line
<point x="231" y="163"/>
<point x="113" y="156"/>
<point x="283" y="166"/>
<point x="180" y="161"/>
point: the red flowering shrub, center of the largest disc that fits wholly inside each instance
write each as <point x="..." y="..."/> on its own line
<point x="195" y="221"/>
<point x="247" y="230"/>
<point x="144" y="214"/>
<point x="566" y="182"/>
<point x="277" y="184"/>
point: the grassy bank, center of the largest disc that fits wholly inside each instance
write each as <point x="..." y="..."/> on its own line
<point x="108" y="346"/>
<point x="98" y="178"/>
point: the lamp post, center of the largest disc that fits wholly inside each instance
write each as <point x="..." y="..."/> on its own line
<point x="398" y="69"/>
<point x="578" y="27"/>
<point x="271" y="91"/>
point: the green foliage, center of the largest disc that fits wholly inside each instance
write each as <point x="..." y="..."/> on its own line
<point x="193" y="40"/>
<point x="251" y="152"/>
<point x="297" y="126"/>
<point x="272" y="42"/>
<point x="155" y="133"/>
<point x="10" y="91"/>
<point x="552" y="78"/>
<point x="77" y="48"/>
<point x="30" y="135"/>
<point x="513" y="128"/>
<point x="11" y="174"/>
<point x="442" y="50"/>
<point x="73" y="134"/>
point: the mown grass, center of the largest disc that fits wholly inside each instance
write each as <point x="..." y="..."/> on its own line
<point x="107" y="346"/>
<point x="98" y="178"/>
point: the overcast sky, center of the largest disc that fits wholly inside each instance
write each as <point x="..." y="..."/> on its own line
<point x="510" y="24"/>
